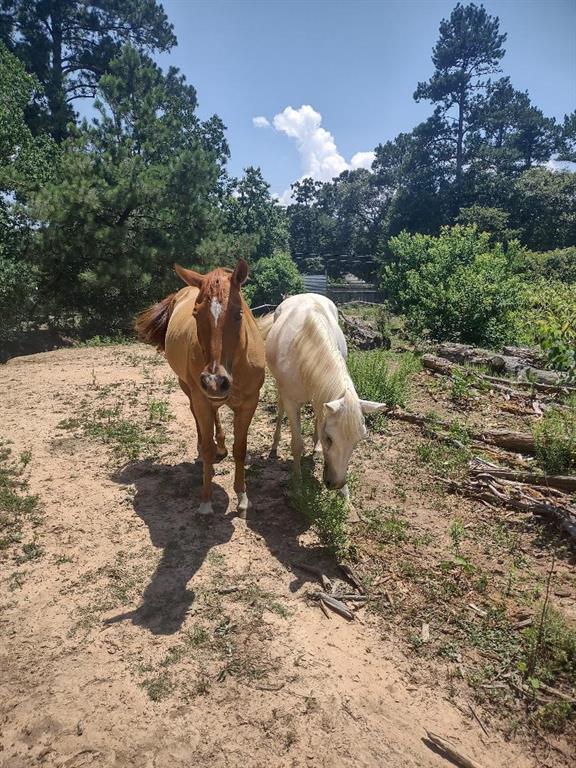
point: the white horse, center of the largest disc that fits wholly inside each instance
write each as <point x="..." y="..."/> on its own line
<point x="306" y="352"/>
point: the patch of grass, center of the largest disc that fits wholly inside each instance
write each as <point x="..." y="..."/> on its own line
<point x="158" y="687"/>
<point x="387" y="526"/>
<point x="129" y="439"/>
<point x="442" y="458"/>
<point x="554" y="716"/>
<point x="158" y="411"/>
<point x="550" y="648"/>
<point x="106" y="341"/>
<point x="325" y="510"/>
<point x="18" y="509"/>
<point x="382" y="375"/>
<point x="260" y="600"/>
<point x="556" y="440"/>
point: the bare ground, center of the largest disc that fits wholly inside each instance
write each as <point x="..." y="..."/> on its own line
<point x="145" y="636"/>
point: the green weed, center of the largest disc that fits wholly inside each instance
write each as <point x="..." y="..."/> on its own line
<point x="556" y="439"/>
<point x="325" y="510"/>
<point x="382" y="375"/>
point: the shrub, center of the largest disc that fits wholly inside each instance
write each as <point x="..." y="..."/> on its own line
<point x="549" y="319"/>
<point x="273" y="278"/>
<point x="376" y="379"/>
<point x="18" y="280"/>
<point x="455" y="286"/>
<point x="556" y="439"/>
<point x="553" y="265"/>
<point x="325" y="510"/>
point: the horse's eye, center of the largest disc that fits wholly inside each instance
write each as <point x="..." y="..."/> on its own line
<point x="328" y="441"/>
<point x="239" y="314"/>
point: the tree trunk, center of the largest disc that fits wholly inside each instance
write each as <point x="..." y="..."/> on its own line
<point x="55" y="93"/>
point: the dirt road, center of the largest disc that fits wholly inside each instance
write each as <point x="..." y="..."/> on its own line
<point x="145" y="636"/>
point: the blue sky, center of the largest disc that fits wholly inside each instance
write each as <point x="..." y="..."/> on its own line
<point x="356" y="64"/>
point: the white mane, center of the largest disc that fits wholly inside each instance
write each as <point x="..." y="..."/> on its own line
<point x="324" y="372"/>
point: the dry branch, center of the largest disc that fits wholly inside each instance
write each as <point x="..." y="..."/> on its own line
<point x="562" y="482"/>
<point x="535" y="500"/>
<point x="449" y="749"/>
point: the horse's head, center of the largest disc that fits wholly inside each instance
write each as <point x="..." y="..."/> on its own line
<point x="340" y="429"/>
<point x="218" y="311"/>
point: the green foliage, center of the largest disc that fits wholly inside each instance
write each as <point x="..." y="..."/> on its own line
<point x="549" y="319"/>
<point x="556" y="439"/>
<point x="68" y="45"/>
<point x="543" y="207"/>
<point x="455" y="286"/>
<point x="18" y="508"/>
<point x="381" y="375"/>
<point x="325" y="510"/>
<point x="134" y="192"/>
<point x="254" y="218"/>
<point x="559" y="265"/>
<point x="549" y="648"/>
<point x="273" y="278"/>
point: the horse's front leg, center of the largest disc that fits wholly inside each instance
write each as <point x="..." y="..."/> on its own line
<point x="316" y="438"/>
<point x="205" y="419"/>
<point x="297" y="444"/>
<point x="242" y="419"/>
<point x="221" y="451"/>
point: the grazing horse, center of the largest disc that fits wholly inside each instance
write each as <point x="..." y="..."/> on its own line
<point x="212" y="343"/>
<point x="306" y="351"/>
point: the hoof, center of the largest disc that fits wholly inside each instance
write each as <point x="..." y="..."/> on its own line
<point x="273" y="453"/>
<point x="244" y="504"/>
<point x="205" y="508"/>
<point x="220" y="456"/>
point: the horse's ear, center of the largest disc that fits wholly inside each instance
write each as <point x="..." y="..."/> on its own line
<point x="333" y="406"/>
<point x="240" y="274"/>
<point x="369" y="406"/>
<point x="189" y="276"/>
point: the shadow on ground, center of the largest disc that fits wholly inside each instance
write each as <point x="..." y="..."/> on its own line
<point x="166" y="499"/>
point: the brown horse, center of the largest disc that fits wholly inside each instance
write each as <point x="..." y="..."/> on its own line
<point x="212" y="343"/>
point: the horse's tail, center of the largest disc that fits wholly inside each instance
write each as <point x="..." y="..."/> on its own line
<point x="152" y="324"/>
<point x="264" y="324"/>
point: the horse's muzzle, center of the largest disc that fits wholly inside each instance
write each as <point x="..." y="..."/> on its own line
<point x="215" y="386"/>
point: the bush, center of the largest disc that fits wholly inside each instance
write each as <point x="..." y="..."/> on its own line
<point x="553" y="265"/>
<point x="456" y="286"/>
<point x="376" y="379"/>
<point x="549" y="319"/>
<point x="556" y="440"/>
<point x="18" y="280"/>
<point x="273" y="278"/>
<point x="325" y="510"/>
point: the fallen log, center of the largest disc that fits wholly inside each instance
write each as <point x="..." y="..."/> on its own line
<point x="500" y="363"/>
<point x="518" y="442"/>
<point x="511" y="386"/>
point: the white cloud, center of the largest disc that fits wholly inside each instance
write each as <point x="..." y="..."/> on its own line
<point x="260" y="122"/>
<point x="319" y="155"/>
<point x="362" y="160"/>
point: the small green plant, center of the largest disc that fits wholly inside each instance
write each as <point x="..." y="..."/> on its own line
<point x="106" y="341"/>
<point x="158" y="410"/>
<point x="325" y="510"/>
<point x="461" y="391"/>
<point x="18" y="508"/>
<point x="382" y="376"/>
<point x="388" y="526"/>
<point x="554" y="716"/>
<point x="556" y="439"/>
<point x="158" y="687"/>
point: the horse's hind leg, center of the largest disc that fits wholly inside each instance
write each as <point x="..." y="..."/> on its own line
<point x="221" y="450"/>
<point x="277" y="431"/>
<point x="297" y="444"/>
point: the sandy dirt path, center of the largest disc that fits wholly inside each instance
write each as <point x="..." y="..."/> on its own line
<point x="145" y="636"/>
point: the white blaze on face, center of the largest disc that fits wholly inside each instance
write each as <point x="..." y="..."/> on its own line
<point x="216" y="309"/>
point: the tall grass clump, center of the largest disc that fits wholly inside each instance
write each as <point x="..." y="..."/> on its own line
<point x="18" y="508"/>
<point x="556" y="440"/>
<point x="325" y="511"/>
<point x="382" y="375"/>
